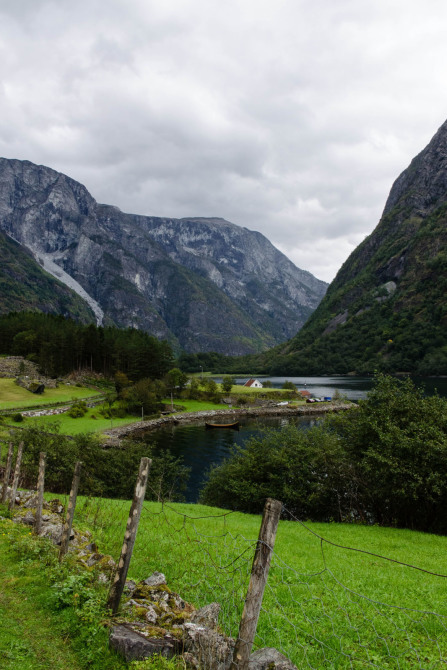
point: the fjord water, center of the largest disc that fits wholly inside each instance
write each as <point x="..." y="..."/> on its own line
<point x="200" y="448"/>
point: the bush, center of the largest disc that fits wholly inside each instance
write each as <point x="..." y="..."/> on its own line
<point x="108" y="472"/>
<point x="17" y="418"/>
<point x="78" y="409"/>
<point x="383" y="462"/>
<point x="300" y="468"/>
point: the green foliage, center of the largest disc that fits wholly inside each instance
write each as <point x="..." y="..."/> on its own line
<point x="105" y="471"/>
<point x="176" y="381"/>
<point x="52" y="614"/>
<point x="383" y="462"/>
<point x="60" y="345"/>
<point x="122" y="381"/>
<point x="145" y="395"/>
<point x="158" y="662"/>
<point x="397" y="440"/>
<point x="303" y="469"/>
<point x="78" y="409"/>
<point x="17" y="417"/>
<point x="227" y="383"/>
<point x="289" y="385"/>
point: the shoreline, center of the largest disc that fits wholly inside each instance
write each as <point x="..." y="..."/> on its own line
<point x="115" y="435"/>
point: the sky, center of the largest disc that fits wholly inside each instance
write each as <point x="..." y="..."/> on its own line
<point x="289" y="117"/>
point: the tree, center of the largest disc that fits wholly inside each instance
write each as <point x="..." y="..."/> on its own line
<point x="122" y="382"/>
<point x="176" y="380"/>
<point x="146" y="395"/>
<point x="227" y="383"/>
<point x="397" y="440"/>
<point x="289" y="385"/>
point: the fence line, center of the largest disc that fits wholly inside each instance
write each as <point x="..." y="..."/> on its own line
<point x="318" y="608"/>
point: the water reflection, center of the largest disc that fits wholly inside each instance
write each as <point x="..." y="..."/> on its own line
<point x="201" y="448"/>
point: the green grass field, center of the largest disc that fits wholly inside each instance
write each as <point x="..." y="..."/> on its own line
<point x="84" y="424"/>
<point x="12" y="396"/>
<point x="324" y="606"/>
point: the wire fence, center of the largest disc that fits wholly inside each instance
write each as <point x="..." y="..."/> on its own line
<point x="326" y="604"/>
<point x="348" y="609"/>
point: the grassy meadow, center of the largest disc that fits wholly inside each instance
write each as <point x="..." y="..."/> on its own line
<point x="13" y="396"/>
<point x="324" y="606"/>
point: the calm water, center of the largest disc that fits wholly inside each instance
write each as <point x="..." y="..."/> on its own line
<point x="201" y="448"/>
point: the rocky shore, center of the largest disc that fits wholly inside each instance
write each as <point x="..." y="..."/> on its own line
<point x="227" y="415"/>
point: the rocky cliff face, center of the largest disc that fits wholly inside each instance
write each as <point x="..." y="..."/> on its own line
<point x="205" y="284"/>
<point x="386" y="308"/>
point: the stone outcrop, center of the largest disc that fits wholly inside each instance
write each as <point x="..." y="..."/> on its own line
<point x="158" y="621"/>
<point x="154" y="620"/>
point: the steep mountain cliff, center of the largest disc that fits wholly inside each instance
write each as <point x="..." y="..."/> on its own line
<point x="386" y="309"/>
<point x="25" y="286"/>
<point x="204" y="284"/>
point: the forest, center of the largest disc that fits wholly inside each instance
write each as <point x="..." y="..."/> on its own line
<point x="59" y="345"/>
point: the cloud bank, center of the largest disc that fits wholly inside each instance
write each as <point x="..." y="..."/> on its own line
<point x="292" y="118"/>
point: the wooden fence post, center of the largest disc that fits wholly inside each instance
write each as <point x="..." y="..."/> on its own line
<point x="119" y="581"/>
<point x="40" y="490"/>
<point x="7" y="473"/>
<point x="15" y="481"/>
<point x="70" y="510"/>
<point x="258" y="580"/>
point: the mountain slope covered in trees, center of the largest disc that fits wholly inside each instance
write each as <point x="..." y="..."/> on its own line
<point x="386" y="308"/>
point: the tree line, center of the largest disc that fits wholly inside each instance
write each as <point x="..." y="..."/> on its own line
<point x="59" y="345"/>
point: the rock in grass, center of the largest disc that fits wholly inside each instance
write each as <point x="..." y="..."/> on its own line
<point x="135" y="647"/>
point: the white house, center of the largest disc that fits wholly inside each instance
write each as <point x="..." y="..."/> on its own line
<point x="254" y="384"/>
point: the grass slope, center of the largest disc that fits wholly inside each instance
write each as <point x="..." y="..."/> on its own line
<point x="325" y="606"/>
<point x="12" y="396"/>
<point x="30" y="639"/>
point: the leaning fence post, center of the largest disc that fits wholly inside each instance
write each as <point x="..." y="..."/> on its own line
<point x="119" y="581"/>
<point x="15" y="481"/>
<point x="40" y="490"/>
<point x="70" y="510"/>
<point x="258" y="580"/>
<point x="7" y="473"/>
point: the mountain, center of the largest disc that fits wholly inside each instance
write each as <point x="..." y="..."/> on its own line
<point x="386" y="309"/>
<point x="203" y="283"/>
<point x="24" y="285"/>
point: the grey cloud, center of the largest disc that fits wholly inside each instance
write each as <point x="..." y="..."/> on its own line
<point x="292" y="118"/>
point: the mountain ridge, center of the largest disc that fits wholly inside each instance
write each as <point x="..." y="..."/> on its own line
<point x="385" y="309"/>
<point x="202" y="283"/>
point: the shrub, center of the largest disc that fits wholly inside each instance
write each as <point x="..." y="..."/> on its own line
<point x="78" y="409"/>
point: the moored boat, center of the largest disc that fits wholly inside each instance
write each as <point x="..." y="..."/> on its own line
<point x="234" y="425"/>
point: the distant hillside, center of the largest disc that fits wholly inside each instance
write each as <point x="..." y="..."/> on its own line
<point x="25" y="286"/>
<point x="204" y="284"/>
<point x="386" y="309"/>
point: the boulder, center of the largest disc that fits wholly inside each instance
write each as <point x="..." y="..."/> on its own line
<point x="269" y="659"/>
<point x="134" y="646"/>
<point x="212" y="650"/>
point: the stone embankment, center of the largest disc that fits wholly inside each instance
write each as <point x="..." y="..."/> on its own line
<point x="223" y="415"/>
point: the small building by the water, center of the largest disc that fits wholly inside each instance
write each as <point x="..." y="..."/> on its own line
<point x="254" y="384"/>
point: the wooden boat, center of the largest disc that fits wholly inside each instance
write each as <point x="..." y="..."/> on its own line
<point x="234" y="426"/>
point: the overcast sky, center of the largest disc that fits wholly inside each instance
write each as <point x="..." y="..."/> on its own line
<point x="290" y="117"/>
